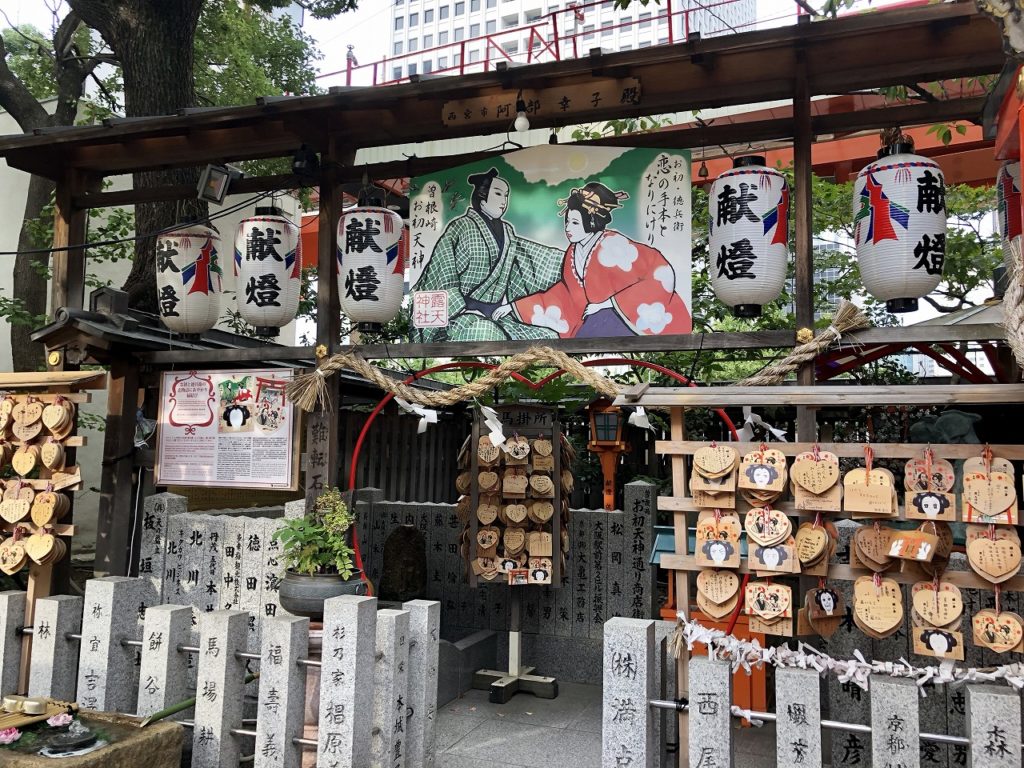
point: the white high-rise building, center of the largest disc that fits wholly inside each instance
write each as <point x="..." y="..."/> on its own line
<point x="465" y="36"/>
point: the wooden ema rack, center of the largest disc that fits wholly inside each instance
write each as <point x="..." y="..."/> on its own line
<point x="47" y="387"/>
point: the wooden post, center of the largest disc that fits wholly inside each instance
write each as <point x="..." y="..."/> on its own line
<point x="114" y="527"/>
<point x="67" y="287"/>
<point x="804" y="257"/>
<point x="680" y="487"/>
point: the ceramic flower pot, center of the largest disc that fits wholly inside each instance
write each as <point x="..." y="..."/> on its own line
<point x="303" y="594"/>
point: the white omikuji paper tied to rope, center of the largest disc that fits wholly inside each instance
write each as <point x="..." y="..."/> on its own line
<point x="899" y="214"/>
<point x="371" y="275"/>
<point x="188" y="278"/>
<point x="748" y="210"/>
<point x="268" y="268"/>
<point x="1008" y="195"/>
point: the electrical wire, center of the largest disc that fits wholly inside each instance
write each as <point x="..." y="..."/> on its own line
<point x="135" y="238"/>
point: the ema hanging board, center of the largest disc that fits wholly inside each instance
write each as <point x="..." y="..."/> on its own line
<point x="227" y="429"/>
<point x="553" y="242"/>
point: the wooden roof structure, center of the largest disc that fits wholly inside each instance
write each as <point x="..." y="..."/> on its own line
<point x="901" y="46"/>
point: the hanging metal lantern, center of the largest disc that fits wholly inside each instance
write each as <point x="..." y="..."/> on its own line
<point x="899" y="214"/>
<point x="268" y="268"/>
<point x="1008" y="192"/>
<point x="748" y="210"/>
<point x="371" y="271"/>
<point x="188" y="278"/>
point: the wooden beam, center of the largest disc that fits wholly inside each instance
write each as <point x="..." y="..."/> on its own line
<point x="245" y="186"/>
<point x="837" y="396"/>
<point x="803" y="171"/>
<point x="77" y="379"/>
<point x="67" y="288"/>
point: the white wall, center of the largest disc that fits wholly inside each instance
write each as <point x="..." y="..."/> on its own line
<point x="13" y="189"/>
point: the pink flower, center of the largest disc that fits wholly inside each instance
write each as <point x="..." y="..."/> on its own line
<point x="9" y="735"/>
<point x="59" y="721"/>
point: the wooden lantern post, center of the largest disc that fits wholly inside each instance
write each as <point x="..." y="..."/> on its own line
<point x="606" y="441"/>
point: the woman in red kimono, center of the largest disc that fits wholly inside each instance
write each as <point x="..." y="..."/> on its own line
<point x="610" y="285"/>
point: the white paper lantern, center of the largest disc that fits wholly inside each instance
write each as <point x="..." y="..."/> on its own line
<point x="748" y="211"/>
<point x="899" y="210"/>
<point x="1008" y="192"/>
<point x="188" y="278"/>
<point x="371" y="273"/>
<point x="268" y="268"/>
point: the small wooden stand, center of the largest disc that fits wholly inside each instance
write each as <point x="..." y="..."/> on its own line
<point x="504" y="685"/>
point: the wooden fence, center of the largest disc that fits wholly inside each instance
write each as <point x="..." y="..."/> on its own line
<point x="895" y="735"/>
<point x="108" y="651"/>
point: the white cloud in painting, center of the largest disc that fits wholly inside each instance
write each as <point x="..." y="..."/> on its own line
<point x="666" y="277"/>
<point x="549" y="317"/>
<point x="554" y="163"/>
<point x="652" y="317"/>
<point x="617" y="251"/>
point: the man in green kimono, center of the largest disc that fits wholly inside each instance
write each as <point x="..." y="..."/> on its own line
<point x="483" y="264"/>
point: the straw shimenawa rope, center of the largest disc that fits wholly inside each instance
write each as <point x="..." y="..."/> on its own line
<point x="310" y="389"/>
<point x="1013" y="302"/>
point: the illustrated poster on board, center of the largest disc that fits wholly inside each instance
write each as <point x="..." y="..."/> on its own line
<point x="226" y="429"/>
<point x="553" y="242"/>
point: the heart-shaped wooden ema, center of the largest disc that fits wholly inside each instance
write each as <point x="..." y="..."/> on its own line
<point x="977" y="464"/>
<point x="5" y="421"/>
<point x="43" y="514"/>
<point x="6" y="406"/>
<point x="25" y="459"/>
<point x="39" y="546"/>
<point x="517" y="447"/>
<point x="873" y="543"/>
<point x="542" y="510"/>
<point x="27" y="432"/>
<point x="1001" y="532"/>
<point x="860" y="476"/>
<point x="810" y="543"/>
<point x="718" y="586"/>
<point x="52" y="455"/>
<point x="542" y="484"/>
<point x="12" y="556"/>
<point x="488" y="480"/>
<point x="19" y="491"/>
<point x="27" y="412"/>
<point x="937" y="608"/>
<point x="916" y="475"/>
<point x="487" y="512"/>
<point x="514" y="539"/>
<point x="487" y="451"/>
<point x="1001" y="632"/>
<point x="769" y="601"/>
<point x="879" y="608"/>
<point x="55" y="416"/>
<point x="542" y="447"/>
<point x="995" y="560"/>
<point x="767" y="527"/>
<point x="815" y="476"/>
<point x="516" y="513"/>
<point x="486" y="538"/>
<point x="717" y="610"/>
<point x="13" y="510"/>
<point x="989" y="494"/>
<point x="714" y="460"/>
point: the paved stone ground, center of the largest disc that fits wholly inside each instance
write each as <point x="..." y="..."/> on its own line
<point x="549" y="733"/>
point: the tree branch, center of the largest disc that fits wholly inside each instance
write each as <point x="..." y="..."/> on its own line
<point x="16" y="98"/>
<point x="939" y="307"/>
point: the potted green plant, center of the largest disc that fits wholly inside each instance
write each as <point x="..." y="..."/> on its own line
<point x="317" y="554"/>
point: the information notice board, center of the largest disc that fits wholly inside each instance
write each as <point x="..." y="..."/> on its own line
<point x="228" y="429"/>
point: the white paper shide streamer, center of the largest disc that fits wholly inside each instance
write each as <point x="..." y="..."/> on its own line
<point x="748" y="210"/>
<point x="188" y="278"/>
<point x="268" y="268"/>
<point x="899" y="214"/>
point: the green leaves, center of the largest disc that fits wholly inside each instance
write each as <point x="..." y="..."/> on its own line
<point x="319" y="542"/>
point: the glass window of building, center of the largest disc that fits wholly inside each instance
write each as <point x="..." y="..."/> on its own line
<point x="457" y="59"/>
<point x="412" y="70"/>
<point x="428" y="41"/>
<point x="492" y="3"/>
<point x="474" y="5"/>
<point x="474" y="30"/>
<point x="607" y="29"/>
<point x="492" y="27"/>
<point x="398" y="48"/>
<point x="442" y="62"/>
<point x="414" y="19"/>
<point x="474" y="56"/>
<point x="399" y="22"/>
<point x="644" y="44"/>
<point x="532" y="16"/>
<point x="511" y="47"/>
<point x="428" y="15"/>
<point x="645" y="20"/>
<point x="459" y="34"/>
<point x="442" y="38"/>
<point x="588" y="32"/>
<point x="396" y="73"/>
<point x="442" y="12"/>
<point x="460" y="8"/>
<point x="414" y="45"/>
<point x="427" y="67"/>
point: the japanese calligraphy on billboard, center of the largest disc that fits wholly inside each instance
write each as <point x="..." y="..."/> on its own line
<point x="553" y="242"/>
<point x="230" y="429"/>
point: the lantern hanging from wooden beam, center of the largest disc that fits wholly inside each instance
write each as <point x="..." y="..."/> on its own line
<point x="899" y="214"/>
<point x="268" y="268"/>
<point x="748" y="209"/>
<point x="371" y="271"/>
<point x="1008" y="193"/>
<point x="188" y="278"/>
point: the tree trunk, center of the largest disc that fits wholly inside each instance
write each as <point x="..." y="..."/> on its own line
<point x="30" y="284"/>
<point x="153" y="40"/>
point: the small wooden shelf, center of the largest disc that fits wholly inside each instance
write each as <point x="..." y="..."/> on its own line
<point x="49" y="379"/>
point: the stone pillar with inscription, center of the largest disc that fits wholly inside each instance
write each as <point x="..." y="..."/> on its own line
<point x="798" y="717"/>
<point x="54" y="669"/>
<point x="346" y="674"/>
<point x="421" y="713"/>
<point x="627" y="723"/>
<point x="994" y="721"/>
<point x="894" y="722"/>
<point x="220" y="685"/>
<point x="390" y="690"/>
<point x="282" y="692"/>
<point x="12" y="617"/>
<point x="156" y="513"/>
<point x="710" y="716"/>
<point x="163" y="677"/>
<point x="640" y="499"/>
<point x="105" y="666"/>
